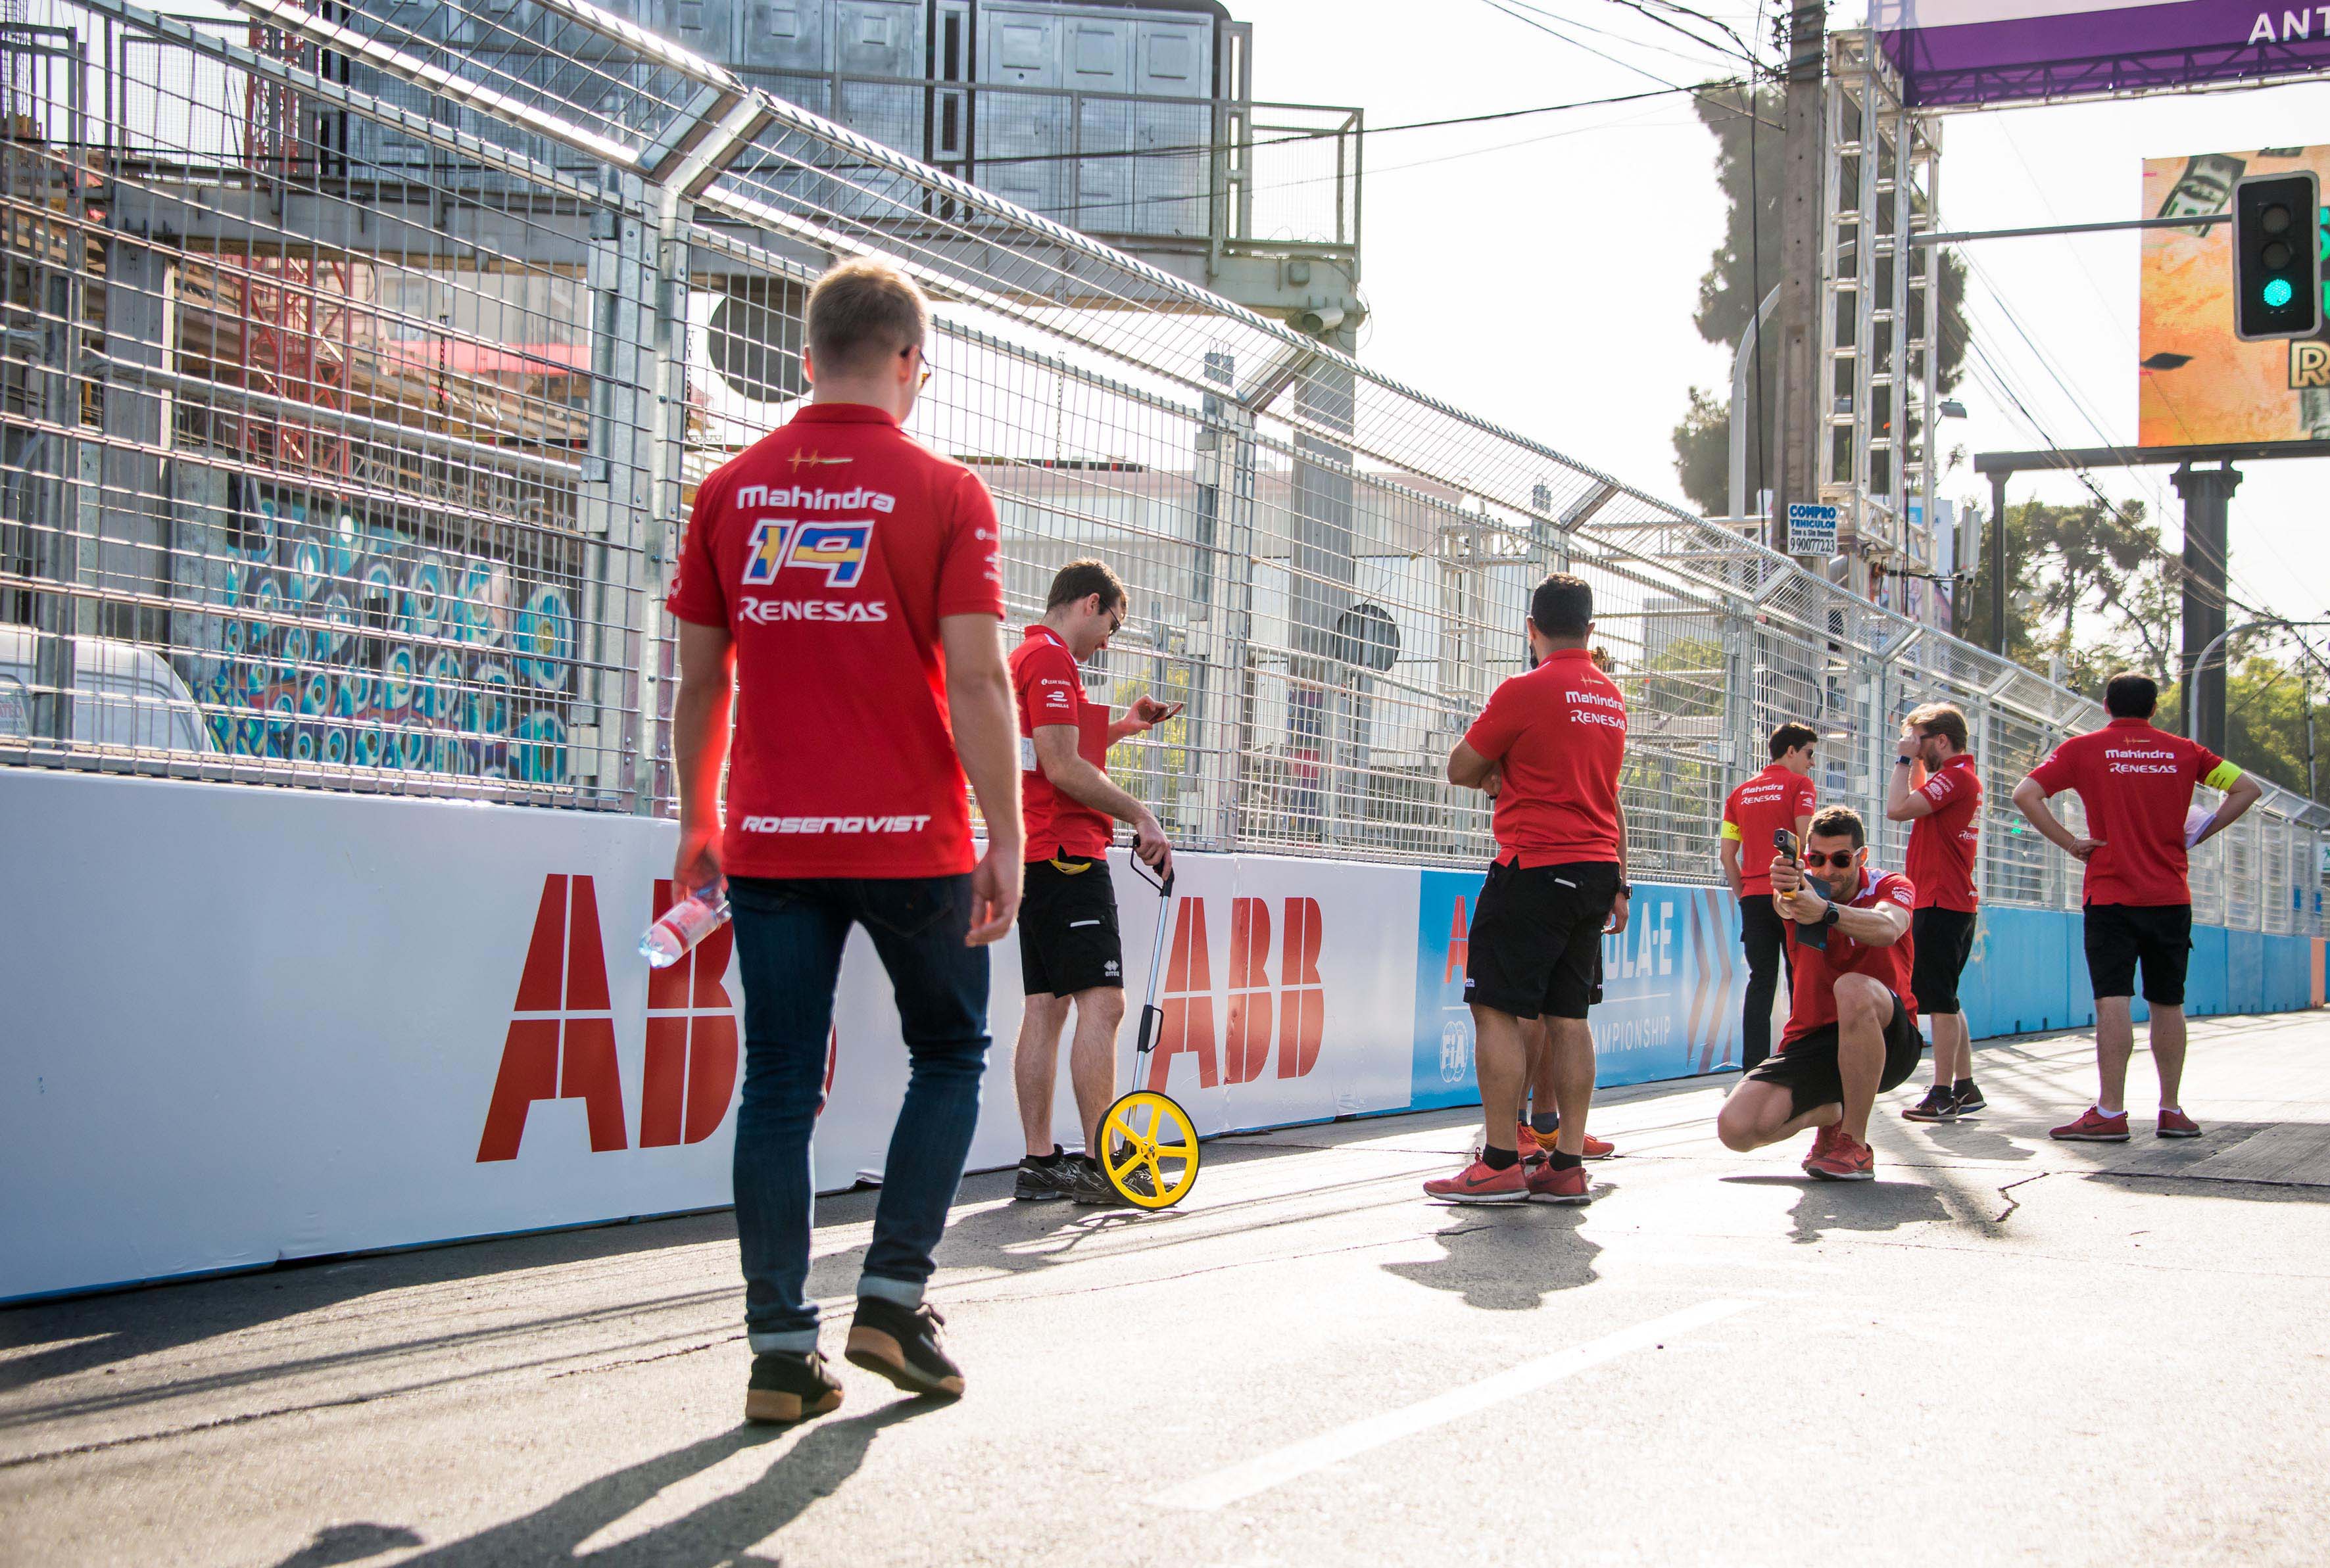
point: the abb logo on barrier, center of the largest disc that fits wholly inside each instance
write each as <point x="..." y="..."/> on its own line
<point x="1297" y="1005"/>
<point x="561" y="1044"/>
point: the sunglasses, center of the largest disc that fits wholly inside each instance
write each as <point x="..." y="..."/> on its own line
<point x="924" y="380"/>
<point x="1842" y="859"/>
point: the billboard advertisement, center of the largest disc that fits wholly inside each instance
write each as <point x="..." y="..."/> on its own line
<point x="1971" y="52"/>
<point x="2197" y="384"/>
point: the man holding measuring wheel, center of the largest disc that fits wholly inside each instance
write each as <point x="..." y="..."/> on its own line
<point x="1070" y="953"/>
<point x="1549" y="747"/>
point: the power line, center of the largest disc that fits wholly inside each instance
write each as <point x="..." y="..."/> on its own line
<point x="1185" y="148"/>
<point x="1502" y="7"/>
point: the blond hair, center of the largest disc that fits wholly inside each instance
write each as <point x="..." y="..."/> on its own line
<point x="862" y="312"/>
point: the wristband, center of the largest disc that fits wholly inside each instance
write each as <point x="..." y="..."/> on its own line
<point x="1903" y="761"/>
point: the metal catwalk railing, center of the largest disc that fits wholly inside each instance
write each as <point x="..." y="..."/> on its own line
<point x="359" y="365"/>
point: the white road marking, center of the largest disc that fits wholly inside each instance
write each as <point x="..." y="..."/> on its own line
<point x="1297" y="1459"/>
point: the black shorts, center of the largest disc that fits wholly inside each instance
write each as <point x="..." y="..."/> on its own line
<point x="1068" y="928"/>
<point x="2159" y="936"/>
<point x="1943" y="940"/>
<point x="1536" y="942"/>
<point x="1807" y="1067"/>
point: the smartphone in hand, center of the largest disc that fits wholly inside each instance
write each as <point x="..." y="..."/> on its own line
<point x="1785" y="845"/>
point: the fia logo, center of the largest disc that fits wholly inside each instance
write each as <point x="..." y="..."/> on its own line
<point x="1455" y="1050"/>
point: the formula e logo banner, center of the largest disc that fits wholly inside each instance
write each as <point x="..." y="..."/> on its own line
<point x="1673" y="984"/>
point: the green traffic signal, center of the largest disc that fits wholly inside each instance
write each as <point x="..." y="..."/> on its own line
<point x="2278" y="293"/>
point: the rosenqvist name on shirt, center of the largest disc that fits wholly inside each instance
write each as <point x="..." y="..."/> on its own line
<point x="818" y="824"/>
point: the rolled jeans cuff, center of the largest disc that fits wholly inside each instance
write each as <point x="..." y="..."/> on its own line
<point x="906" y="1293"/>
<point x="793" y="1341"/>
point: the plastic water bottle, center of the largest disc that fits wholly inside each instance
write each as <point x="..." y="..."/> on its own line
<point x="684" y="924"/>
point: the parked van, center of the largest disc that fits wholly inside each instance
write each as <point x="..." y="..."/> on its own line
<point x="124" y="696"/>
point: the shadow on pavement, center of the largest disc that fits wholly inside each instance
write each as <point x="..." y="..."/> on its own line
<point x="337" y="1544"/>
<point x="722" y="1531"/>
<point x="1971" y="1140"/>
<point x="1509" y="1258"/>
<point x="121" y="1327"/>
<point x="1865" y="1207"/>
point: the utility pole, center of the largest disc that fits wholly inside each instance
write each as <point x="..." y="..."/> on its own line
<point x="2206" y="492"/>
<point x="1797" y="424"/>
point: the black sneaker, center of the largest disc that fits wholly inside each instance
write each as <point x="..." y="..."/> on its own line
<point x="1940" y="1104"/>
<point x="789" y="1386"/>
<point x="903" y="1343"/>
<point x="1970" y="1100"/>
<point x="1044" y="1181"/>
<point x="1091" y="1187"/>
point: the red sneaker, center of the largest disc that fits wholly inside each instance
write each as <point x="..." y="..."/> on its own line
<point x="1477" y="1184"/>
<point x="1548" y="1185"/>
<point x="1599" y="1148"/>
<point x="1824" y="1144"/>
<point x="2176" y="1124"/>
<point x="1845" y="1159"/>
<point x="1526" y="1141"/>
<point x="2095" y="1127"/>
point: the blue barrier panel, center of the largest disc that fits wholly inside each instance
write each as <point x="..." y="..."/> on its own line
<point x="2032" y="974"/>
<point x="1672" y="984"/>
<point x="2205" y="992"/>
<point x="2289" y="986"/>
<point x="2244" y="972"/>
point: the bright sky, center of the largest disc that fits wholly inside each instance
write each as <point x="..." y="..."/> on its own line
<point x="1550" y="284"/>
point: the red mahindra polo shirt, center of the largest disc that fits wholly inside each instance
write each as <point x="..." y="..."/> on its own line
<point x="1812" y="1002"/>
<point x="1770" y="801"/>
<point x="1560" y="732"/>
<point x="2136" y="784"/>
<point x="831" y="548"/>
<point x="1051" y="691"/>
<point x="1944" y="843"/>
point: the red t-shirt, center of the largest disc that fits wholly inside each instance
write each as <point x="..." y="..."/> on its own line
<point x="1051" y="691"/>
<point x="1812" y="1001"/>
<point x="1560" y="732"/>
<point x="1944" y="842"/>
<point x="1764" y="804"/>
<point x="2136" y="784"/>
<point x="831" y="548"/>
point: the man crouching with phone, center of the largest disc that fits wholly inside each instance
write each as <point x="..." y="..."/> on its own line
<point x="1852" y="1028"/>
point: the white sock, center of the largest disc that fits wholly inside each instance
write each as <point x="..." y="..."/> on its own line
<point x="2171" y="1111"/>
<point x="2101" y="1111"/>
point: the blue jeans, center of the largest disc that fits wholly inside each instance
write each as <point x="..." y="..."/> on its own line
<point x="788" y="940"/>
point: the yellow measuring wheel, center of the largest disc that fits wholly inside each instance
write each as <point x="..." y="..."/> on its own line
<point x="1145" y="1134"/>
<point x="1148" y="1144"/>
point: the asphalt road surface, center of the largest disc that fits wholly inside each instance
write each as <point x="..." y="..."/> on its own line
<point x="2005" y="1350"/>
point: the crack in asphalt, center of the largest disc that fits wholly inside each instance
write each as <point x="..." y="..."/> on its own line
<point x="2013" y="1204"/>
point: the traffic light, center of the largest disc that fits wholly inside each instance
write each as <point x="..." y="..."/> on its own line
<point x="2277" y="257"/>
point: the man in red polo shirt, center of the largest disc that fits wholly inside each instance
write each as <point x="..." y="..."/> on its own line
<point x="1937" y="791"/>
<point x="1852" y="1028"/>
<point x="1778" y="799"/>
<point x="1069" y="950"/>
<point x="2136" y="783"/>
<point x="1548" y="746"/>
<point x="842" y="580"/>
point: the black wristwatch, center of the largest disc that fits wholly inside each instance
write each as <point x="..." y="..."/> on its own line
<point x="1625" y="888"/>
<point x="1903" y="761"/>
<point x="1830" y="916"/>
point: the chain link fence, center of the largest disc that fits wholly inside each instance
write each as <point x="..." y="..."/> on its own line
<point x="359" y="366"/>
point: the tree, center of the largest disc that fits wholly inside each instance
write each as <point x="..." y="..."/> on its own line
<point x="2066" y="563"/>
<point x="2265" y="714"/>
<point x="1749" y="166"/>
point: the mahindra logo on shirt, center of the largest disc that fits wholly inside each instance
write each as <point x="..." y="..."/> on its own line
<point x="802" y="500"/>
<point x="1297" y="1006"/>
<point x="560" y="1041"/>
<point x="2146" y="760"/>
<point x="1607" y="711"/>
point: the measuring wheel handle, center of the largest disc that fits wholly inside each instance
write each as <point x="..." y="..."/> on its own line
<point x="1148" y="1144"/>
